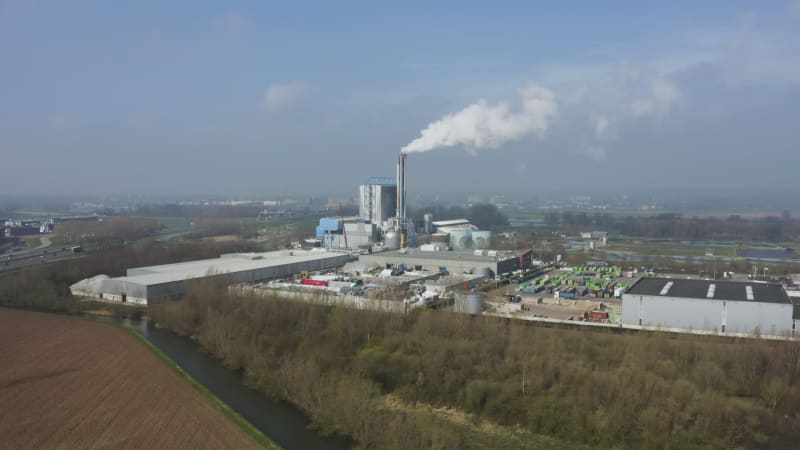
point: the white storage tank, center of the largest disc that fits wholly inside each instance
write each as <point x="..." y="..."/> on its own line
<point x="460" y="240"/>
<point x="469" y="303"/>
<point x="428" y="223"/>
<point x="482" y="240"/>
<point x="392" y="240"/>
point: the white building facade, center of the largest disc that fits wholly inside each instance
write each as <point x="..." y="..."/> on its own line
<point x="708" y="305"/>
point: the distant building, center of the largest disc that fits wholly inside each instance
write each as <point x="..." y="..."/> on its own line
<point x="377" y="200"/>
<point x="22" y="230"/>
<point x="449" y="226"/>
<point x="495" y="262"/>
<point x="346" y="233"/>
<point x="148" y="285"/>
<point x="709" y="305"/>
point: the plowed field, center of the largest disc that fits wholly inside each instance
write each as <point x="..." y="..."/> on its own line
<point x="69" y="383"/>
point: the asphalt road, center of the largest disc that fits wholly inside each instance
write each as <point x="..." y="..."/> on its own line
<point x="29" y="257"/>
<point x="15" y="260"/>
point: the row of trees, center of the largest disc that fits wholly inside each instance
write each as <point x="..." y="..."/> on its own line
<point x="674" y="226"/>
<point x="111" y="232"/>
<point x="594" y="388"/>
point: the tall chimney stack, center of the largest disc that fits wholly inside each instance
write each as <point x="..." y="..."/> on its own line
<point x="401" y="191"/>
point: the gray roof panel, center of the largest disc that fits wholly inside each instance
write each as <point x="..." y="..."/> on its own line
<point x="724" y="290"/>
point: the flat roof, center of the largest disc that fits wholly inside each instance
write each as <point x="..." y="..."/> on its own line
<point x="228" y="263"/>
<point x="444" y="255"/>
<point x="700" y="289"/>
<point x="444" y="223"/>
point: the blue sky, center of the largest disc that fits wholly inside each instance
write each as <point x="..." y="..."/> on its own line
<point x="261" y="98"/>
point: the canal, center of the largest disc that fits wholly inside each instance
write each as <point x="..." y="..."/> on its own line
<point x="280" y="421"/>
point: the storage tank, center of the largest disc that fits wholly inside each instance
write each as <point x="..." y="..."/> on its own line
<point x="428" y="223"/>
<point x="469" y="303"/>
<point x="460" y="240"/>
<point x="482" y="240"/>
<point x="392" y="240"/>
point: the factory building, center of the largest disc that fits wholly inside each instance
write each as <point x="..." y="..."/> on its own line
<point x="709" y="305"/>
<point x="346" y="233"/>
<point x="454" y="261"/>
<point x="449" y="226"/>
<point x="146" y="285"/>
<point x="377" y="200"/>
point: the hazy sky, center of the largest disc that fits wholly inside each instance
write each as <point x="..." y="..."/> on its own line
<point x="260" y="98"/>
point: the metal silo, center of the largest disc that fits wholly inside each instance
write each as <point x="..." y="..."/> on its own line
<point x="428" y="223"/>
<point x="392" y="240"/>
<point x="460" y="240"/>
<point x="482" y="240"/>
<point x="469" y="303"/>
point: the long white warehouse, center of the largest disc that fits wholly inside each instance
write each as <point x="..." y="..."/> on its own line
<point x="710" y="305"/>
<point x="146" y="285"/>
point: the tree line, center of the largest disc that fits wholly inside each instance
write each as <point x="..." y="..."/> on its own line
<point x="675" y="226"/>
<point x="595" y="388"/>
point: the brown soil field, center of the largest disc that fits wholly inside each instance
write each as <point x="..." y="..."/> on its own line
<point x="71" y="383"/>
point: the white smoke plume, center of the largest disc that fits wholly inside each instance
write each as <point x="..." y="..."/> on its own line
<point x="480" y="125"/>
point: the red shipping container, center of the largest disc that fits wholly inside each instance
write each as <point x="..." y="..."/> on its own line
<point x="310" y="282"/>
<point x="598" y="315"/>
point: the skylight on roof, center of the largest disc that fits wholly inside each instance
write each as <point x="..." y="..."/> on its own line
<point x="711" y="288"/>
<point x="749" y="290"/>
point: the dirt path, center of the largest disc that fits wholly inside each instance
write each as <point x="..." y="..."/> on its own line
<point x="70" y="383"/>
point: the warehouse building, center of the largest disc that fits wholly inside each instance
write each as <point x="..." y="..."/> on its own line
<point x="146" y="285"/>
<point x="454" y="261"/>
<point x="709" y="305"/>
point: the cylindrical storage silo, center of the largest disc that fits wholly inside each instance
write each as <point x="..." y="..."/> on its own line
<point x="428" y="223"/>
<point x="469" y="303"/>
<point x="482" y="240"/>
<point x="460" y="240"/>
<point x="392" y="240"/>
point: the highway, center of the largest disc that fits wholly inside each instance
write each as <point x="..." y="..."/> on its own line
<point x="45" y="253"/>
<point x="15" y="260"/>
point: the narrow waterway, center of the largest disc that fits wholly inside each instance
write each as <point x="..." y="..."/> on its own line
<point x="281" y="422"/>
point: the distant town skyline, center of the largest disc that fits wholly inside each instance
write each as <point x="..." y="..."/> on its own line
<point x="248" y="98"/>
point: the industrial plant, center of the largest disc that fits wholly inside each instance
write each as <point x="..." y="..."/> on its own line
<point x="384" y="235"/>
<point x="381" y="259"/>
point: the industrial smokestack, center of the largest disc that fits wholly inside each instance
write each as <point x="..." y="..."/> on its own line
<point x="401" y="192"/>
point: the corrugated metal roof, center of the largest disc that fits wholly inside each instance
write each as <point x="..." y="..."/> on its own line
<point x="230" y="263"/>
<point x="444" y="223"/>
<point x="700" y="289"/>
<point x="443" y="256"/>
